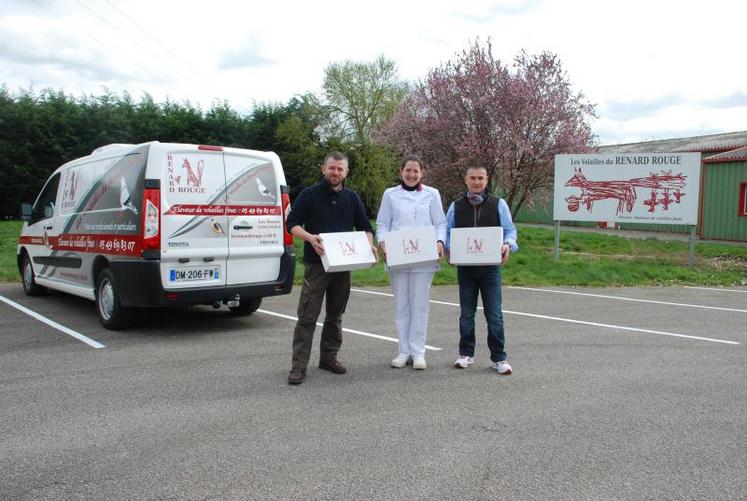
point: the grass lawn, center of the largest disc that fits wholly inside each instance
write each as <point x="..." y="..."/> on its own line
<point x="9" y="232"/>
<point x="597" y="259"/>
<point x="593" y="259"/>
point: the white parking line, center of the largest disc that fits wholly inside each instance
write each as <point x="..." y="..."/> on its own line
<point x="52" y="323"/>
<point x="621" y="327"/>
<point x="582" y="322"/>
<point x="344" y="329"/>
<point x="714" y="289"/>
<point x="603" y="296"/>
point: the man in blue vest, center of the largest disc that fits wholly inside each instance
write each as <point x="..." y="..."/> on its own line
<point x="325" y="207"/>
<point x="479" y="208"/>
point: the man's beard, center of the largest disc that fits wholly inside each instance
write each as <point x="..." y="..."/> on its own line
<point x="334" y="184"/>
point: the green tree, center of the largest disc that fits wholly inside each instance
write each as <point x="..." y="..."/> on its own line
<point x="224" y="126"/>
<point x="358" y="97"/>
<point x="41" y="131"/>
<point x="373" y="169"/>
<point x="361" y="96"/>
<point x="298" y="142"/>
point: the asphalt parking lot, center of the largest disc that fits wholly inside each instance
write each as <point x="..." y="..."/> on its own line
<point x="624" y="393"/>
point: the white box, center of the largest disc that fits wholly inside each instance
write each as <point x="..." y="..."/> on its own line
<point x="347" y="250"/>
<point x="476" y="246"/>
<point x="411" y="247"/>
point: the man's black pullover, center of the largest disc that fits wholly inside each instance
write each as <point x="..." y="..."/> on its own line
<point x="320" y="209"/>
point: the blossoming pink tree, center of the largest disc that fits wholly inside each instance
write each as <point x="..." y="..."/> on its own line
<point x="476" y="111"/>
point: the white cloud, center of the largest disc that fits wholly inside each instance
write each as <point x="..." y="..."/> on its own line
<point x="247" y="54"/>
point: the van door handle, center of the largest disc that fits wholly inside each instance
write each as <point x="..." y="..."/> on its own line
<point x="208" y="259"/>
<point x="48" y="227"/>
<point x="242" y="227"/>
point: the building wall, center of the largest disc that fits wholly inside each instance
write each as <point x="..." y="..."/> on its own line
<point x="719" y="218"/>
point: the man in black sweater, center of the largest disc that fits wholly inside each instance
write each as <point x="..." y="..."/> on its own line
<point x="326" y="207"/>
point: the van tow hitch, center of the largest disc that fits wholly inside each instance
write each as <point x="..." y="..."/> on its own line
<point x="234" y="302"/>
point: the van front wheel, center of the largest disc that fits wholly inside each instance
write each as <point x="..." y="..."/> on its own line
<point x="30" y="287"/>
<point x="247" y="306"/>
<point x="111" y="313"/>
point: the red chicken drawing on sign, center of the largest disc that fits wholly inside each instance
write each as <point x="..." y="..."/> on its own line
<point x="666" y="188"/>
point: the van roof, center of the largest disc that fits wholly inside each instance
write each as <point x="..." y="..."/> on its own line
<point x="110" y="147"/>
<point x="116" y="147"/>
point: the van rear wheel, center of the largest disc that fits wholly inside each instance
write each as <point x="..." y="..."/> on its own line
<point x="111" y="313"/>
<point x="30" y="287"/>
<point x="247" y="306"/>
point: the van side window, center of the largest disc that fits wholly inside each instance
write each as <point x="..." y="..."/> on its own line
<point x="261" y="188"/>
<point x="44" y="206"/>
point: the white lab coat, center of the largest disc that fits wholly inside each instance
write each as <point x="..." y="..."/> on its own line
<point x="401" y="209"/>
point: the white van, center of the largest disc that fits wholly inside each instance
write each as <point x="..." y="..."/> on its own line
<point x="160" y="224"/>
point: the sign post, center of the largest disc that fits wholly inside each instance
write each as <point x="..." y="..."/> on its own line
<point x="691" y="258"/>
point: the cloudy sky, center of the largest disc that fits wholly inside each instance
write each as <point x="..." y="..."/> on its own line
<point x="655" y="69"/>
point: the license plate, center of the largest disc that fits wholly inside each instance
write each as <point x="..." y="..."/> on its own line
<point x="194" y="274"/>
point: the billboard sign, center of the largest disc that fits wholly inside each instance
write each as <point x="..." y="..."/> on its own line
<point x="652" y="188"/>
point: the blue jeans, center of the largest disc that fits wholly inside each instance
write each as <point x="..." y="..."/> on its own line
<point x="485" y="280"/>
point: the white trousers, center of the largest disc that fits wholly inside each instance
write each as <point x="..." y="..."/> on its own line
<point x="412" y="292"/>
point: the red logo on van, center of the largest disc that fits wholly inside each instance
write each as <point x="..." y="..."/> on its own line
<point x="193" y="177"/>
<point x="71" y="187"/>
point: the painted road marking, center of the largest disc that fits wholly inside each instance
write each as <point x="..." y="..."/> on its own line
<point x="714" y="289"/>
<point x="52" y="323"/>
<point x="573" y="321"/>
<point x="603" y="296"/>
<point x="344" y="329"/>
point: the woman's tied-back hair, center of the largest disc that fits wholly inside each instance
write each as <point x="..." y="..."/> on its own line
<point x="411" y="158"/>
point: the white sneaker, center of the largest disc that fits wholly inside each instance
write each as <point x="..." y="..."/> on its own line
<point x="503" y="368"/>
<point x="418" y="363"/>
<point x="463" y="362"/>
<point x="400" y="361"/>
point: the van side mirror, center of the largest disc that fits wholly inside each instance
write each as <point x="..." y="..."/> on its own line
<point x="26" y="211"/>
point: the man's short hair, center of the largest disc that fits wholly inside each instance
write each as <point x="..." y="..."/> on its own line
<point x="335" y="155"/>
<point x="477" y="167"/>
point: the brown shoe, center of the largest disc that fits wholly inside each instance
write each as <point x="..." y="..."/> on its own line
<point x="296" y="375"/>
<point x="332" y="366"/>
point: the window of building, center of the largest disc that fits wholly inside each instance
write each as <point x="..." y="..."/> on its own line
<point x="743" y="199"/>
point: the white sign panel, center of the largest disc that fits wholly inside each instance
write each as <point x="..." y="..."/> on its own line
<point x="346" y="251"/>
<point x="658" y="188"/>
<point x="476" y="246"/>
<point x="411" y="247"/>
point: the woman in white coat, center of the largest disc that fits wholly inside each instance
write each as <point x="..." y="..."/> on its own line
<point x="411" y="204"/>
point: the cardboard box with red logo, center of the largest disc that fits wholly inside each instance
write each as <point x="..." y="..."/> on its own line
<point x="346" y="251"/>
<point x="476" y="246"/>
<point x="411" y="247"/>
